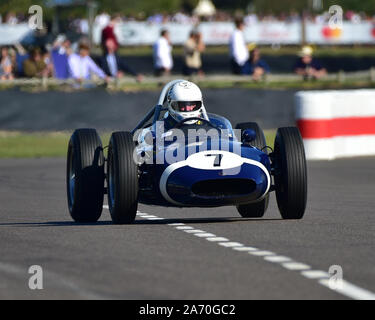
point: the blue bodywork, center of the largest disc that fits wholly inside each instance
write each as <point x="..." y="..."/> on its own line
<point x="188" y="184"/>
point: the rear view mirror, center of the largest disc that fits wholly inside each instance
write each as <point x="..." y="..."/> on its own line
<point x="248" y="135"/>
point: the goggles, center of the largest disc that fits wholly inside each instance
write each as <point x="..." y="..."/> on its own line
<point x="186" y="106"/>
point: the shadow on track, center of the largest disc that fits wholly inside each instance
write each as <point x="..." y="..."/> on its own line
<point x="136" y="222"/>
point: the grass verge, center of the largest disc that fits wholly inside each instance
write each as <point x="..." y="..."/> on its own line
<point x="320" y="51"/>
<point x="52" y="144"/>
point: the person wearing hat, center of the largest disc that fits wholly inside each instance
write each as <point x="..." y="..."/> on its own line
<point x="307" y="66"/>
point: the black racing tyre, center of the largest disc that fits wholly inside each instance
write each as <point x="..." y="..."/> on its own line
<point x="290" y="173"/>
<point x="254" y="210"/>
<point x="122" y="174"/>
<point x="85" y="176"/>
<point x="258" y="209"/>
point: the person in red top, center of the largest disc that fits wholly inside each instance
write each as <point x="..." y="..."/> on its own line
<point x="109" y="32"/>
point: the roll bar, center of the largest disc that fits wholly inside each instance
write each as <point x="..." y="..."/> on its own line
<point x="165" y="90"/>
<point x="145" y="119"/>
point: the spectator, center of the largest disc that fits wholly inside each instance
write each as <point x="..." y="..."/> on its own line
<point x="84" y="26"/>
<point x="257" y="66"/>
<point x="81" y="65"/>
<point x="109" y="32"/>
<point x="163" y="61"/>
<point x="102" y="19"/>
<point x="307" y="66"/>
<point x="46" y="57"/>
<point x="6" y="68"/>
<point x="21" y="56"/>
<point x="113" y="65"/>
<point x="193" y="48"/>
<point x="60" y="54"/>
<point x="11" y="18"/>
<point x="34" y="66"/>
<point x="238" y="50"/>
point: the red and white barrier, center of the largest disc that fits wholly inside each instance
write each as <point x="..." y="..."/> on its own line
<point x="336" y="124"/>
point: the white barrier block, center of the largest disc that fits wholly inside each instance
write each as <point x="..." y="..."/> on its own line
<point x="339" y="147"/>
<point x="334" y="136"/>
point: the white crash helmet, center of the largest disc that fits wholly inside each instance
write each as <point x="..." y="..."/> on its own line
<point x="185" y="101"/>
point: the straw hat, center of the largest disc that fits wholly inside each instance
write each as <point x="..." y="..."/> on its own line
<point x="251" y="46"/>
<point x="306" y="51"/>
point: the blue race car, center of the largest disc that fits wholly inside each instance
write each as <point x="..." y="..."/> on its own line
<point x="197" y="160"/>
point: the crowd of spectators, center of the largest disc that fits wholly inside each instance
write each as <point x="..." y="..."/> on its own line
<point x="223" y="16"/>
<point x="81" y="25"/>
<point x="163" y="58"/>
<point x="246" y="59"/>
<point x="13" y="18"/>
<point x="64" y="60"/>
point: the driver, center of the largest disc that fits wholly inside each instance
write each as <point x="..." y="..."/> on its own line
<point x="184" y="101"/>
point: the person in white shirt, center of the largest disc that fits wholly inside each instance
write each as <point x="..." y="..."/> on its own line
<point x="163" y="61"/>
<point x="238" y="50"/>
<point x="102" y="19"/>
<point x="81" y="66"/>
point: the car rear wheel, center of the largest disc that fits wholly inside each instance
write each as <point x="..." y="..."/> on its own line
<point x="85" y="176"/>
<point x="122" y="174"/>
<point x="290" y="173"/>
<point x="254" y="210"/>
<point x="258" y="209"/>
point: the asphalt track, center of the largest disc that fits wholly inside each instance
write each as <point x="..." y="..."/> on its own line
<point x="153" y="259"/>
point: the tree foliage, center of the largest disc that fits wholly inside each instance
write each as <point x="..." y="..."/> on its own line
<point x="146" y="7"/>
<point x="285" y="6"/>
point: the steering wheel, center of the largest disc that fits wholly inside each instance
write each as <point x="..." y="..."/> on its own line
<point x="179" y="124"/>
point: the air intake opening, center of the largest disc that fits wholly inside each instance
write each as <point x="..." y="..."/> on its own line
<point x="223" y="187"/>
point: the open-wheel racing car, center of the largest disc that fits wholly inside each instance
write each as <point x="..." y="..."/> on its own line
<point x="164" y="168"/>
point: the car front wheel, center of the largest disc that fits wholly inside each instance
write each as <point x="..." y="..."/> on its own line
<point x="85" y="176"/>
<point x="122" y="172"/>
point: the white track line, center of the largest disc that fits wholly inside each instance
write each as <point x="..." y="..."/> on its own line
<point x="216" y="239"/>
<point x="204" y="235"/>
<point x="350" y="290"/>
<point x="347" y="289"/>
<point x="194" y="231"/>
<point x="315" y="274"/>
<point x="184" y="228"/>
<point x="296" y="266"/>
<point x="261" y="253"/>
<point x="245" y="249"/>
<point x="278" y="259"/>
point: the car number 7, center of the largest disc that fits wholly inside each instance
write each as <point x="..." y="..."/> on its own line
<point x="217" y="160"/>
